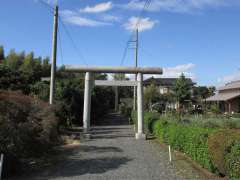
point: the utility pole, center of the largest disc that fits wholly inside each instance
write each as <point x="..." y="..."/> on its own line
<point x="54" y="56"/>
<point x="136" y="65"/>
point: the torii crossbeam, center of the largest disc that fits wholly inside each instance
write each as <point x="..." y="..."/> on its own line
<point x="90" y="82"/>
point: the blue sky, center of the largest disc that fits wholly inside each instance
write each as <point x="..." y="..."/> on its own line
<point x="198" y="37"/>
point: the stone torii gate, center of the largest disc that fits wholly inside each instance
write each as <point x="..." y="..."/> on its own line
<point x="90" y="83"/>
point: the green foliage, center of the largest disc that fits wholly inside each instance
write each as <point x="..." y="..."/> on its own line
<point x="188" y="139"/>
<point x="28" y="128"/>
<point x="14" y="60"/>
<point x="69" y="96"/>
<point x="10" y="79"/>
<point x="214" y="108"/>
<point x="233" y="161"/>
<point x="149" y="119"/>
<point x="46" y="67"/>
<point x="102" y="101"/>
<point x="20" y="71"/>
<point x="203" y="92"/>
<point x="151" y="94"/>
<point x="27" y="125"/>
<point x="120" y="76"/>
<point x="2" y="56"/>
<point x="214" y="148"/>
<point x="219" y="145"/>
<point x="126" y="111"/>
<point x="181" y="90"/>
<point x="41" y="90"/>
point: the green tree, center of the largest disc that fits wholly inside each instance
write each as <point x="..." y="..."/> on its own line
<point x="14" y="60"/>
<point x="203" y="92"/>
<point x="119" y="76"/>
<point x="182" y="91"/>
<point x="2" y="57"/>
<point x="46" y="67"/>
<point x="211" y="90"/>
<point x="28" y="63"/>
<point x="10" y="79"/>
<point x="151" y="95"/>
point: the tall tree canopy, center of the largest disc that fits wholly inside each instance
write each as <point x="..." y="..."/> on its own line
<point x="182" y="90"/>
<point x="203" y="92"/>
<point x="2" y="57"/>
<point x="151" y="95"/>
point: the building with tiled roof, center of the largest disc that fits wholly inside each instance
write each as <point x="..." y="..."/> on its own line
<point x="228" y="97"/>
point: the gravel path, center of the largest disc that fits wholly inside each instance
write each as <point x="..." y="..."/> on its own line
<point x="114" y="154"/>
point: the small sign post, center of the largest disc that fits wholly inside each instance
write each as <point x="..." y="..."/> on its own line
<point x="1" y="166"/>
<point x="170" y="155"/>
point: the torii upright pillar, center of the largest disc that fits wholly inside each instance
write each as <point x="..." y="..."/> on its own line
<point x="87" y="102"/>
<point x="140" y="112"/>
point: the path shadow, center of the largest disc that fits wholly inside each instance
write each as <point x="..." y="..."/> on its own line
<point x="77" y="167"/>
<point x="106" y="128"/>
<point x="112" y="136"/>
<point x="113" y="119"/>
<point x="98" y="149"/>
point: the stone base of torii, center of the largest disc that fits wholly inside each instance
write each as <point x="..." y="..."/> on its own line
<point x="90" y="82"/>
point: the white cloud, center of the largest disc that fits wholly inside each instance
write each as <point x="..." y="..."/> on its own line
<point x="144" y="24"/>
<point x="228" y="78"/>
<point x="101" y="7"/>
<point x="180" y="6"/>
<point x="174" y="72"/>
<point x="76" y="19"/>
<point x="81" y="21"/>
<point x="51" y="2"/>
<point x="110" y="18"/>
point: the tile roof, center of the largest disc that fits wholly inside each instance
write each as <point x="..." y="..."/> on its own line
<point x="224" y="96"/>
<point x="231" y="85"/>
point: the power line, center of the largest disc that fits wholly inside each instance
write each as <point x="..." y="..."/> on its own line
<point x="145" y="7"/>
<point x="46" y="5"/>
<point x="146" y="51"/>
<point x="72" y="41"/>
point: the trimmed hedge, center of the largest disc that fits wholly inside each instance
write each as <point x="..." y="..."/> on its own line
<point x="217" y="150"/>
<point x="220" y="146"/>
<point x="191" y="140"/>
<point x="233" y="161"/>
<point x="149" y="119"/>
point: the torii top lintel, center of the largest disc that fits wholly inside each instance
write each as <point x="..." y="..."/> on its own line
<point x="107" y="69"/>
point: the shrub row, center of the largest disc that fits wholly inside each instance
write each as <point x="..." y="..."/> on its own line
<point x="191" y="140"/>
<point x="28" y="128"/>
<point x="149" y="119"/>
<point x="214" y="149"/>
<point x="217" y="150"/>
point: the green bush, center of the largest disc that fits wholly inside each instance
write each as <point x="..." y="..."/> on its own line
<point x="220" y="144"/>
<point x="28" y="127"/>
<point x="188" y="139"/>
<point x="233" y="161"/>
<point x="211" y="142"/>
<point x="41" y="90"/>
<point x="149" y="119"/>
<point x="124" y="110"/>
<point x="212" y="148"/>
